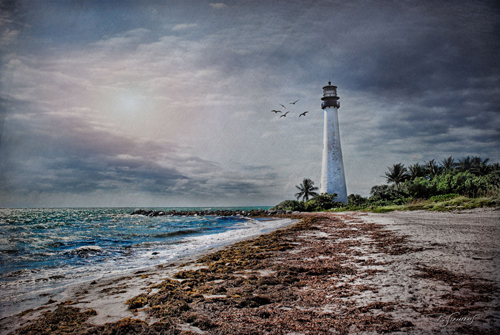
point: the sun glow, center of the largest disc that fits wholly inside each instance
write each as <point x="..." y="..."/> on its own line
<point x="130" y="104"/>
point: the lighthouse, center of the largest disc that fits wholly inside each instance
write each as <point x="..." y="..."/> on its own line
<point x="332" y="167"/>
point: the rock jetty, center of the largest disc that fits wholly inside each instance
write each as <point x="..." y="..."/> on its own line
<point x="219" y="212"/>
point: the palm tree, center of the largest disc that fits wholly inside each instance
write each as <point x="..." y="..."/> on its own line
<point x="474" y="165"/>
<point x="397" y="174"/>
<point x="464" y="164"/>
<point x="432" y="168"/>
<point x="306" y="189"/>
<point x="448" y="164"/>
<point x="481" y="166"/>
<point x="416" y="170"/>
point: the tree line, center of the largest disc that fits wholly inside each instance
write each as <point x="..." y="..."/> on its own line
<point x="469" y="176"/>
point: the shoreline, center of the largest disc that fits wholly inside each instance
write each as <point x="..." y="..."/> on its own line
<point x="327" y="273"/>
<point x="218" y="242"/>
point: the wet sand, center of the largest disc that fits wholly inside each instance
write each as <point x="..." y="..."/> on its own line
<point x="401" y="272"/>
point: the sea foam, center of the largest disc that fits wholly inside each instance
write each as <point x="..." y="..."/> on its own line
<point x="46" y="250"/>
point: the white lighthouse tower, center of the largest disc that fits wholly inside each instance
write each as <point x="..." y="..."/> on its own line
<point x="332" y="167"/>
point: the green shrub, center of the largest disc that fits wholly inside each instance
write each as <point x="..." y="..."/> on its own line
<point x="453" y="182"/>
<point x="380" y="203"/>
<point x="322" y="202"/>
<point x="444" y="197"/>
<point x="383" y="209"/>
<point x="420" y="188"/>
<point x="356" y="200"/>
<point x="476" y="186"/>
<point x="401" y="201"/>
<point x="466" y="183"/>
<point x="446" y="183"/>
<point x="493" y="179"/>
<point x="385" y="193"/>
<point x="290" y="205"/>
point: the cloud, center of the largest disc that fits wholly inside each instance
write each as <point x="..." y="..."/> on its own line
<point x="243" y="114"/>
<point x="83" y="154"/>
<point x="9" y="29"/>
<point x="184" y="26"/>
<point x="8" y="36"/>
<point x="217" y="5"/>
<point x="79" y="150"/>
<point x="85" y="158"/>
<point x="134" y="107"/>
<point x="125" y="40"/>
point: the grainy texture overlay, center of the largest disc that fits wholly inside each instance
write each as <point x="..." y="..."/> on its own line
<point x="414" y="272"/>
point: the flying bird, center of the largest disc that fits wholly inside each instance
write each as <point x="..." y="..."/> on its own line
<point x="283" y="106"/>
<point x="293" y="103"/>
<point x="275" y="111"/>
<point x="303" y="113"/>
<point x="284" y="115"/>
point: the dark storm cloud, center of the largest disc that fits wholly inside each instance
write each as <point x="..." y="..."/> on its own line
<point x="108" y="173"/>
<point x="438" y="61"/>
<point x="429" y="77"/>
<point x="81" y="158"/>
<point x="417" y="80"/>
<point x="3" y="114"/>
<point x="257" y="167"/>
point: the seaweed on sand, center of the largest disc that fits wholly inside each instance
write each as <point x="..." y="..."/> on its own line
<point x="63" y="320"/>
<point x="280" y="282"/>
<point x="467" y="290"/>
<point x="230" y="296"/>
<point x="71" y="321"/>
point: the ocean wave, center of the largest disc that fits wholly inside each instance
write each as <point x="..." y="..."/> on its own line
<point x="179" y="232"/>
<point x="101" y="243"/>
<point x="19" y="273"/>
<point x="56" y="244"/>
<point x="9" y="251"/>
<point x="87" y="250"/>
<point x="49" y="279"/>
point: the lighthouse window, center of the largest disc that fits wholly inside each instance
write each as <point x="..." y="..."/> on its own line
<point x="329" y="92"/>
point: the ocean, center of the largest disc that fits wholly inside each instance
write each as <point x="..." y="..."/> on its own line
<point x="42" y="251"/>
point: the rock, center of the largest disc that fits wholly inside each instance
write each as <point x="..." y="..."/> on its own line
<point x="223" y="213"/>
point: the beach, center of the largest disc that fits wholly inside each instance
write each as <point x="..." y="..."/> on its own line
<point x="413" y="272"/>
<point x="43" y="251"/>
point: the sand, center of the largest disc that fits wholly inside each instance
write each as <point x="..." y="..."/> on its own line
<point x="463" y="242"/>
<point x="401" y="272"/>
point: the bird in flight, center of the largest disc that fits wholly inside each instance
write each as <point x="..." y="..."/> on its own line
<point x="283" y="106"/>
<point x="293" y="103"/>
<point x="303" y="113"/>
<point x="275" y="111"/>
<point x="284" y="115"/>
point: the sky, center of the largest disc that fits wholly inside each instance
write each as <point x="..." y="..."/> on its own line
<point x="168" y="103"/>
